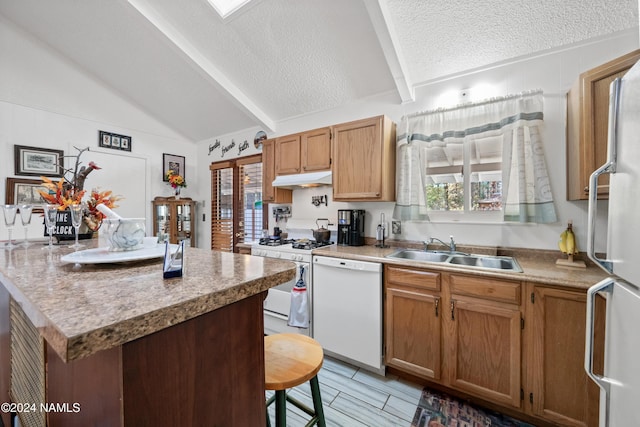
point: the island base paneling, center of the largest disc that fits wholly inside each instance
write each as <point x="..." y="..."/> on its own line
<point x="187" y="374"/>
<point x="5" y="353"/>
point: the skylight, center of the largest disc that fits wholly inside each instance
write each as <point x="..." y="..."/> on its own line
<point x="227" y="7"/>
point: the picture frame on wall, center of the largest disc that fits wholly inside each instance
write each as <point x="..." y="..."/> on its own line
<point x="114" y="141"/>
<point x="105" y="139"/>
<point x="36" y="161"/>
<point x="172" y="162"/>
<point x="23" y="191"/>
<point x="125" y="143"/>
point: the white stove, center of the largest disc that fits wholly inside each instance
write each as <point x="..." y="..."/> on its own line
<point x="278" y="302"/>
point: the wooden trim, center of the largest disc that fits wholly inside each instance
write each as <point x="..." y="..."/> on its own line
<point x="221" y="165"/>
<point x="247" y="160"/>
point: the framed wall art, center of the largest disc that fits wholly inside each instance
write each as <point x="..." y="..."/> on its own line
<point x="35" y="161"/>
<point x="172" y="162"/>
<point x="22" y="191"/>
<point x="114" y="141"/>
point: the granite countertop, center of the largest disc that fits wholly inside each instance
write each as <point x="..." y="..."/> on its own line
<point x="82" y="309"/>
<point x="538" y="266"/>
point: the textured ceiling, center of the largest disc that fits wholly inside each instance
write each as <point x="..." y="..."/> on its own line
<point x="279" y="59"/>
<point x="442" y="38"/>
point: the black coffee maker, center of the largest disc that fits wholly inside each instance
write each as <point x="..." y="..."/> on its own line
<point x="351" y="227"/>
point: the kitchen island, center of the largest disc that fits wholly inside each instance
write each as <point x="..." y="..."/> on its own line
<point x="116" y="344"/>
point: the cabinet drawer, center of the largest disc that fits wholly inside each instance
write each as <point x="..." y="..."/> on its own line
<point x="420" y="278"/>
<point x="487" y="288"/>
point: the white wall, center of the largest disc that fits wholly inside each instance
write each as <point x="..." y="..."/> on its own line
<point x="554" y="72"/>
<point x="47" y="101"/>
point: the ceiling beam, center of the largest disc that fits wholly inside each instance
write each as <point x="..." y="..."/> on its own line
<point x="383" y="26"/>
<point x="192" y="54"/>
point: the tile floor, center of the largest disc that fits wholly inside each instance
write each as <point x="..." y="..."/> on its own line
<point x="354" y="397"/>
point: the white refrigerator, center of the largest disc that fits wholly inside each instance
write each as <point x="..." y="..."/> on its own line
<point x="620" y="383"/>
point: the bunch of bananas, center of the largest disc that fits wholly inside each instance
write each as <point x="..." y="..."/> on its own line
<point x="567" y="243"/>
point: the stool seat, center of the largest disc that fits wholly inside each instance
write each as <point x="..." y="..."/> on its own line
<point x="290" y="360"/>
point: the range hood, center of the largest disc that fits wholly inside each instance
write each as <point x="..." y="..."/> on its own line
<point x="311" y="179"/>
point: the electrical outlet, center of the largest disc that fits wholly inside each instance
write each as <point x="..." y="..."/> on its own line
<point x="396" y="227"/>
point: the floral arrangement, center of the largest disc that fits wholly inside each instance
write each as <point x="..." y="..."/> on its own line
<point x="67" y="192"/>
<point x="175" y="180"/>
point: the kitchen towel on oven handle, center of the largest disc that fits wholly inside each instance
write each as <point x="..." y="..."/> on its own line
<point x="299" y="312"/>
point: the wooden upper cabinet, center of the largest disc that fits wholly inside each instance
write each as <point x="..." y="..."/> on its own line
<point x="316" y="150"/>
<point x="270" y="193"/>
<point x="303" y="152"/>
<point x="587" y="125"/>
<point x="287" y="154"/>
<point x="364" y="160"/>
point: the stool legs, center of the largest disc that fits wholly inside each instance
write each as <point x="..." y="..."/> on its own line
<point x="280" y="398"/>
<point x="281" y="408"/>
<point x="317" y="401"/>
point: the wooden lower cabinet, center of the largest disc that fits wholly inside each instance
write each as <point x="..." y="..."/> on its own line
<point x="484" y="344"/>
<point x="515" y="345"/>
<point x="484" y="337"/>
<point x="560" y="390"/>
<point x="413" y="326"/>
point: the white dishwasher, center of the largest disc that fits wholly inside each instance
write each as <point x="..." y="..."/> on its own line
<point x="347" y="310"/>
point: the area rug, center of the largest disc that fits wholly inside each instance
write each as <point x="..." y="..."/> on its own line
<point x="438" y="409"/>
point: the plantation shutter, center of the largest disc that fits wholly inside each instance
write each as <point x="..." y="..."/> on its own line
<point x="250" y="180"/>
<point x="222" y="206"/>
<point x="236" y="202"/>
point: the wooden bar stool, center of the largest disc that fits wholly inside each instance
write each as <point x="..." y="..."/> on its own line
<point x="290" y="360"/>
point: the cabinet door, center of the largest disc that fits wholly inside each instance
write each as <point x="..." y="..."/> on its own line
<point x="364" y="160"/>
<point x="561" y="392"/>
<point x="287" y="155"/>
<point x="412" y="332"/>
<point x="413" y="321"/>
<point x="316" y="150"/>
<point x="587" y="125"/>
<point x="161" y="217"/>
<point x="485" y="349"/>
<point x="270" y="193"/>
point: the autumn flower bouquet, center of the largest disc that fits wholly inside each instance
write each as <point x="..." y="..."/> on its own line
<point x="67" y="192"/>
<point x="176" y="181"/>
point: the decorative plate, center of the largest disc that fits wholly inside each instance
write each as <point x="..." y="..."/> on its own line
<point x="260" y="136"/>
<point x="105" y="256"/>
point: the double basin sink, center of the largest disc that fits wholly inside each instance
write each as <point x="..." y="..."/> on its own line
<point x="490" y="262"/>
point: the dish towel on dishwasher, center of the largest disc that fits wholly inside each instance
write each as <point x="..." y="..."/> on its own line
<point x="299" y="312"/>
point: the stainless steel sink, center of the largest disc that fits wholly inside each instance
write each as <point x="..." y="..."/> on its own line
<point x="418" y="255"/>
<point x="457" y="258"/>
<point x="491" y="262"/>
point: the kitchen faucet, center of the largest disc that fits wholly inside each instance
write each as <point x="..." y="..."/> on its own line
<point x="451" y="245"/>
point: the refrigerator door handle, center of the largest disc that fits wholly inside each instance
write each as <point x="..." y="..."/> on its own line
<point x="608" y="167"/>
<point x="603" y="382"/>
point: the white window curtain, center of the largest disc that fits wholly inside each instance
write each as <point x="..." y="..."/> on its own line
<point x="518" y="119"/>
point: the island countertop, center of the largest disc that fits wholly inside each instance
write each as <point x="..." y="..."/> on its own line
<point x="83" y="309"/>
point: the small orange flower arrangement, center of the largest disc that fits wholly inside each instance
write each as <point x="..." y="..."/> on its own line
<point x="65" y="193"/>
<point x="175" y="180"/>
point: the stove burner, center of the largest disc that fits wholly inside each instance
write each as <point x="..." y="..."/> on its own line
<point x="274" y="241"/>
<point x="309" y="244"/>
